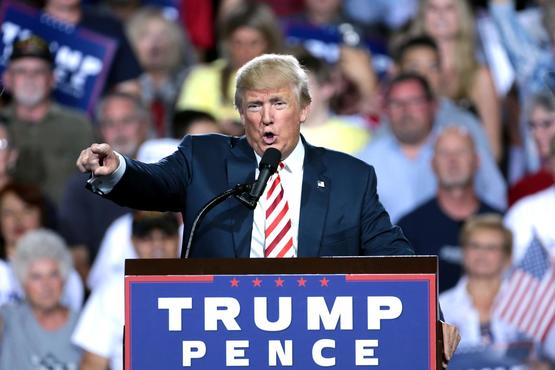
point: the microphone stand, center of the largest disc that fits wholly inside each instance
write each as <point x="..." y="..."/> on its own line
<point x="240" y="191"/>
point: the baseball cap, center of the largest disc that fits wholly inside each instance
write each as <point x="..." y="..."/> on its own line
<point x="32" y="47"/>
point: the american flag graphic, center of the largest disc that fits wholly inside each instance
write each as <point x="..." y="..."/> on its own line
<point x="529" y="300"/>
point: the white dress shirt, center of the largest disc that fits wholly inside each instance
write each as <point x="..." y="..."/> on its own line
<point x="292" y="180"/>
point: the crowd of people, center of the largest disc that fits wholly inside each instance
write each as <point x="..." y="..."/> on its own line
<point x="464" y="166"/>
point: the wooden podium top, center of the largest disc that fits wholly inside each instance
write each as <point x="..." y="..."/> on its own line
<point x="325" y="265"/>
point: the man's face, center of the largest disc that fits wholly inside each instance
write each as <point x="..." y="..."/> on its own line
<point x="30" y="81"/>
<point x="244" y="44"/>
<point x="542" y="125"/>
<point x="411" y="114"/>
<point x="272" y="118"/>
<point x="156" y="244"/>
<point x="455" y="161"/>
<point x="122" y="126"/>
<point x="424" y="61"/>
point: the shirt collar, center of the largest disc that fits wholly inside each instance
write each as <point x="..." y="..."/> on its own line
<point x="294" y="162"/>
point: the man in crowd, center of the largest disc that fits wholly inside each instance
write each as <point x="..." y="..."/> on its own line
<point x="46" y="135"/>
<point x="99" y="330"/>
<point x="402" y="154"/>
<point x="319" y="203"/>
<point x="124" y="124"/>
<point x="433" y="228"/>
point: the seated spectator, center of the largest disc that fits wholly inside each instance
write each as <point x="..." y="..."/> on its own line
<point x="420" y="54"/>
<point x="8" y="154"/>
<point x="463" y="78"/>
<point x="471" y="304"/>
<point x="533" y="216"/>
<point x="433" y="228"/>
<point x="99" y="331"/>
<point x="164" y="53"/>
<point x="36" y="332"/>
<point x="402" y="156"/>
<point x="531" y="60"/>
<point x="47" y="136"/>
<point x="323" y="128"/>
<point x="541" y="123"/>
<point x="23" y="208"/>
<point x="125" y="69"/>
<point x="247" y="31"/>
<point x="124" y="123"/>
<point x="193" y="122"/>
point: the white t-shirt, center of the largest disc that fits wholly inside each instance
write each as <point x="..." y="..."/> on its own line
<point x="533" y="214"/>
<point x="100" y="327"/>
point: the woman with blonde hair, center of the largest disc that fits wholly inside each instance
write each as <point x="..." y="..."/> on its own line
<point x="464" y="79"/>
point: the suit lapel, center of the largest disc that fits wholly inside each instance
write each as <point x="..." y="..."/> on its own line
<point x="314" y="202"/>
<point x="241" y="167"/>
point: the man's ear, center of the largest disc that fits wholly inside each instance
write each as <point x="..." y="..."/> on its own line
<point x="7" y="80"/>
<point x="305" y="112"/>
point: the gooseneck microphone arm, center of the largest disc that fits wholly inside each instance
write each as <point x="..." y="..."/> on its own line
<point x="236" y="190"/>
<point x="247" y="194"/>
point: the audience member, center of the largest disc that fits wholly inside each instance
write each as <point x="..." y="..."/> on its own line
<point x="433" y="228"/>
<point x="533" y="216"/>
<point x="420" y="54"/>
<point x="463" y="78"/>
<point x="124" y="122"/>
<point x="99" y="331"/>
<point x="531" y="60"/>
<point x="470" y="305"/>
<point x="46" y="135"/>
<point x="8" y="155"/>
<point x="402" y="156"/>
<point x="24" y="208"/>
<point x="125" y="69"/>
<point x="36" y="333"/>
<point x="541" y="123"/>
<point x="246" y="31"/>
<point x="323" y="128"/>
<point x="165" y="53"/>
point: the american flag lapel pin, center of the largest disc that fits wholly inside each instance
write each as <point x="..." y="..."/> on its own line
<point x="321" y="184"/>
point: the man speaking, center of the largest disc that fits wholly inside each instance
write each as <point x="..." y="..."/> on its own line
<point x="317" y="203"/>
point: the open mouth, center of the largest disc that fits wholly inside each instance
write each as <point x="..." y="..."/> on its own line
<point x="269" y="138"/>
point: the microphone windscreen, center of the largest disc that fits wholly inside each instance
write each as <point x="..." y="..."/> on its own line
<point x="270" y="159"/>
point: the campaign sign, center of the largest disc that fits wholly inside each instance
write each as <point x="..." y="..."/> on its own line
<point x="292" y="321"/>
<point x="82" y="57"/>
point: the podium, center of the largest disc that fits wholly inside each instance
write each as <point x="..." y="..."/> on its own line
<point x="300" y="313"/>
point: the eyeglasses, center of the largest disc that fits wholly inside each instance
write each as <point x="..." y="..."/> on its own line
<point x="484" y="247"/>
<point x="543" y="124"/>
<point x="409" y="103"/>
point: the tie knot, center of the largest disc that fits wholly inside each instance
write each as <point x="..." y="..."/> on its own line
<point x="281" y="166"/>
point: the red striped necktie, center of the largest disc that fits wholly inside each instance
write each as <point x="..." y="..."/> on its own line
<point x="279" y="237"/>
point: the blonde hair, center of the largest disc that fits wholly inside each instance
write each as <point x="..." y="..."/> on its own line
<point x="180" y="53"/>
<point x="487" y="221"/>
<point x="272" y="71"/>
<point x="466" y="64"/>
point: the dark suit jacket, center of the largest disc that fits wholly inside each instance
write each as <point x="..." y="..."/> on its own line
<point x="340" y="213"/>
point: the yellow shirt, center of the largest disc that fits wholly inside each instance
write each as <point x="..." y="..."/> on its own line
<point x="337" y="134"/>
<point x="201" y="91"/>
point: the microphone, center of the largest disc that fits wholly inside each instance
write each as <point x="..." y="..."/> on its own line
<point x="248" y="194"/>
<point x="267" y="167"/>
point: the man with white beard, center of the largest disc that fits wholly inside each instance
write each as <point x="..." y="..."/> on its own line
<point x="48" y="137"/>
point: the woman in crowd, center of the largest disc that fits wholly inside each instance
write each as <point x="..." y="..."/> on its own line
<point x="247" y="31"/>
<point x="24" y="208"/>
<point x="464" y="79"/>
<point x="471" y="305"/>
<point x="35" y="333"/>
